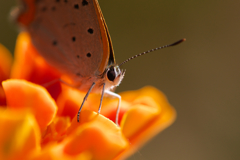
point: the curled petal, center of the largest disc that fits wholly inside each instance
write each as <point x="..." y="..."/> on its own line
<point x="70" y="100"/>
<point x="98" y="135"/>
<point x="21" y="94"/>
<point x="148" y="113"/>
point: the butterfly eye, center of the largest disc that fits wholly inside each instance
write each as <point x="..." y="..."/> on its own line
<point x="111" y="74"/>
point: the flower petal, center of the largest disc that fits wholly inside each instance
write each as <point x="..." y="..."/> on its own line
<point x="70" y="100"/>
<point x="56" y="131"/>
<point x="19" y="134"/>
<point x="148" y="114"/>
<point x="5" y="68"/>
<point x="56" y="152"/>
<point x="25" y="95"/>
<point x="96" y="135"/>
<point x="29" y="65"/>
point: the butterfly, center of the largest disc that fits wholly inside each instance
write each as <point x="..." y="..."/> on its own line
<point x="72" y="36"/>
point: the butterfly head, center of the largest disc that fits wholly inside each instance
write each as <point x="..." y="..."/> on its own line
<point x="114" y="75"/>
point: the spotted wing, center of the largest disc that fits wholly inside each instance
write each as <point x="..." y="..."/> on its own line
<point x="69" y="34"/>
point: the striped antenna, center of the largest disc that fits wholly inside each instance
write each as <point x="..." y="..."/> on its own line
<point x="169" y="45"/>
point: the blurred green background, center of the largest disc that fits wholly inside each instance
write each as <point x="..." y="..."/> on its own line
<point x="200" y="77"/>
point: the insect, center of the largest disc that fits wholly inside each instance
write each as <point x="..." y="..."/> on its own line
<point x="73" y="37"/>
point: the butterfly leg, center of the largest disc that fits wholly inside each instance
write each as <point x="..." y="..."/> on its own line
<point x="100" y="106"/>
<point x="70" y="85"/>
<point x="57" y="80"/>
<point x="84" y="99"/>
<point x="119" y="102"/>
<point x="50" y="83"/>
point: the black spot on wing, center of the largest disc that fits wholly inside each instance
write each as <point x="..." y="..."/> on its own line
<point x="73" y="39"/>
<point x="90" y="30"/>
<point x="54" y="43"/>
<point x="84" y="2"/>
<point x="76" y="6"/>
<point x="89" y="55"/>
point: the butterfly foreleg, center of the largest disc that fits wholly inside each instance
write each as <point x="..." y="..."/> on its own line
<point x="84" y="99"/>
<point x="100" y="105"/>
<point x="115" y="95"/>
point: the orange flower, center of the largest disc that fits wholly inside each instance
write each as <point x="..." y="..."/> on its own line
<point x="40" y="123"/>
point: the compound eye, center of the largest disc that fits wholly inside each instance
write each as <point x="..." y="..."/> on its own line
<point x="111" y="75"/>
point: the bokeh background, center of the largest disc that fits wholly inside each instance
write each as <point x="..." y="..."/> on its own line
<point x="200" y="77"/>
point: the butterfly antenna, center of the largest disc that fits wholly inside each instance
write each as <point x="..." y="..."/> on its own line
<point x="152" y="50"/>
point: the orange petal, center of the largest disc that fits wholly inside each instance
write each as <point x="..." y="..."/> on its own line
<point x="95" y="135"/>
<point x="55" y="152"/>
<point x="109" y="109"/>
<point x="56" y="131"/>
<point x="70" y="100"/>
<point x="148" y="114"/>
<point x="25" y="95"/>
<point x="5" y="67"/>
<point x="2" y="98"/>
<point x="19" y="135"/>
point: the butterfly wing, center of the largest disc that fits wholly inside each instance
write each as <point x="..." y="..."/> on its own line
<point x="70" y="34"/>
